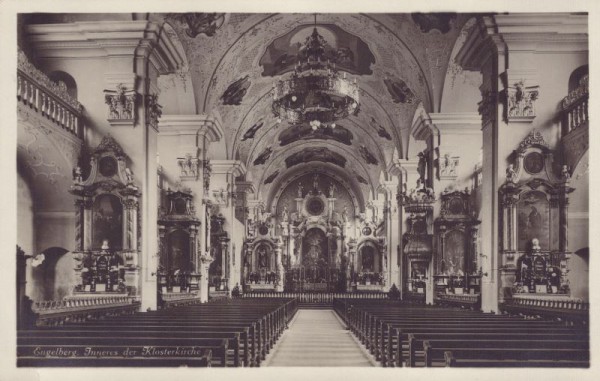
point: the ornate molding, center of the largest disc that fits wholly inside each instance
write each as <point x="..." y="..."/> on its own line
<point x="487" y="106"/>
<point x="534" y="138"/>
<point x="448" y="167"/>
<point x="520" y="102"/>
<point x="121" y="105"/>
<point x="153" y="111"/>
<point x="188" y="167"/>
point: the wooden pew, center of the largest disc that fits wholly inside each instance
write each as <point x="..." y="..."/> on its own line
<point x="504" y="343"/>
<point x="248" y="329"/>
<point x="383" y="327"/>
<point x="451" y="361"/>
<point x="539" y="356"/>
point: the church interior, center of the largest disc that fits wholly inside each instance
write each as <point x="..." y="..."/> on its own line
<point x="225" y="179"/>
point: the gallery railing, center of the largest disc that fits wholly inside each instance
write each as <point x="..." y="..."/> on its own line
<point x="52" y="100"/>
<point x="575" y="107"/>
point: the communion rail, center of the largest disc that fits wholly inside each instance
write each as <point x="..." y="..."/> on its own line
<point x="571" y="311"/>
<point x="317" y="298"/>
<point x="58" y="312"/>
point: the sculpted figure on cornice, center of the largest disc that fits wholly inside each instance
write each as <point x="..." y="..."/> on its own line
<point x="521" y="102"/>
<point x="121" y="103"/>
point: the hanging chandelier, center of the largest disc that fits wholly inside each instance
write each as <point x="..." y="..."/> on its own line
<point x="315" y="93"/>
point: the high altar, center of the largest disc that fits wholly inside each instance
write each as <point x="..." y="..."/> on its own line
<point x="315" y="240"/>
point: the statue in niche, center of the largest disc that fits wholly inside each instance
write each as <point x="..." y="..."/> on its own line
<point x="262" y="257"/>
<point x="564" y="173"/>
<point x="316" y="181"/>
<point x="129" y="175"/>
<point x="511" y="174"/>
<point x="332" y="189"/>
<point x="300" y="190"/>
<point x="77" y="175"/>
<point x="345" y="214"/>
<point x="285" y="214"/>
<point x="422" y="169"/>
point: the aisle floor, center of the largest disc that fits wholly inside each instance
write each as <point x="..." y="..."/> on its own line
<point x="317" y="338"/>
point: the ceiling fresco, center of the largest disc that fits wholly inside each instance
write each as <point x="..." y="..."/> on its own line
<point x="399" y="61"/>
<point x="322" y="154"/>
<point x="305" y="132"/>
<point x="346" y="50"/>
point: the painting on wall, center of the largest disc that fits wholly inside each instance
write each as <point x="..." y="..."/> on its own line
<point x="179" y="250"/>
<point x="453" y="261"/>
<point x="314" y="245"/>
<point x="107" y="216"/>
<point x="533" y="220"/>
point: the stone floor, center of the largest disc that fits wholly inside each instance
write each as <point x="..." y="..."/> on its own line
<point x="317" y="338"/>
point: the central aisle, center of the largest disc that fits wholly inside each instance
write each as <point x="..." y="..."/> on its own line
<point x="317" y="338"/>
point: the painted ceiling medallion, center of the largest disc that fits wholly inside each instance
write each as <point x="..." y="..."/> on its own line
<point x="199" y="23"/>
<point x="271" y="177"/>
<point x="381" y="131"/>
<point x="367" y="155"/>
<point x="252" y="131"/>
<point x="438" y="21"/>
<point x="346" y="50"/>
<point x="236" y="91"/>
<point x="399" y="91"/>
<point x="315" y="154"/>
<point x="315" y="92"/>
<point x="304" y="132"/>
<point x="263" y="157"/>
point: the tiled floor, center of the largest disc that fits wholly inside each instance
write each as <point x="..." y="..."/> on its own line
<point x="317" y="338"/>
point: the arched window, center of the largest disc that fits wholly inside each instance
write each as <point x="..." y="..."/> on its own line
<point x="576" y="76"/>
<point x="62" y="77"/>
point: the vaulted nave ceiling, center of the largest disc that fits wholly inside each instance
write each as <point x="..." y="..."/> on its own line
<point x="399" y="61"/>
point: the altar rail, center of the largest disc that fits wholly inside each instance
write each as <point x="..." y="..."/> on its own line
<point x="58" y="312"/>
<point x="50" y="99"/>
<point x="468" y="301"/>
<point x="172" y="299"/>
<point x="575" y="107"/>
<point x="307" y="297"/>
<point x="568" y="310"/>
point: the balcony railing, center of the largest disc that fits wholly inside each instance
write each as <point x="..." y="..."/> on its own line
<point x="50" y="99"/>
<point x="575" y="107"/>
